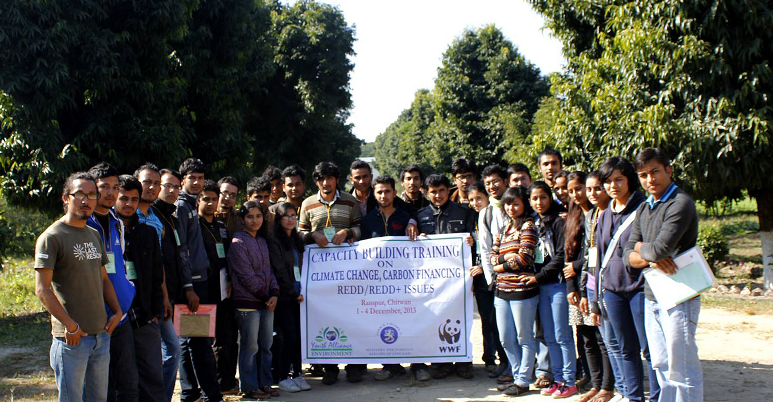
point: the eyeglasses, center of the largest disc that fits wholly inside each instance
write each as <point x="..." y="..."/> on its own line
<point x="171" y="187"/>
<point x="80" y="195"/>
<point x="464" y="176"/>
<point x="290" y="217"/>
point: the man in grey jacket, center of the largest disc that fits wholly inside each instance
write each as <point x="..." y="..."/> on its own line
<point x="197" y="363"/>
<point x="667" y="225"/>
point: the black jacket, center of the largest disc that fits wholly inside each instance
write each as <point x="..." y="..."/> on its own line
<point x="449" y="218"/>
<point x="551" y="270"/>
<point x="398" y="203"/>
<point x="143" y="250"/>
<point x="170" y="250"/>
<point x="374" y="225"/>
<point x="282" y="263"/>
<point x="213" y="233"/>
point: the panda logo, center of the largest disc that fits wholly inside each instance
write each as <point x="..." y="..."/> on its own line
<point x="450" y="331"/>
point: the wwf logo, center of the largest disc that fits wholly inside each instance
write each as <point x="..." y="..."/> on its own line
<point x="450" y="331"/>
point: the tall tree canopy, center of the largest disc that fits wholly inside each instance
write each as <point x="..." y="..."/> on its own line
<point x="692" y="77"/>
<point x="237" y="83"/>
<point x="484" y="98"/>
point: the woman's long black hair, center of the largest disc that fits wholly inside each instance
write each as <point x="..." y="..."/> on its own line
<point x="288" y="242"/>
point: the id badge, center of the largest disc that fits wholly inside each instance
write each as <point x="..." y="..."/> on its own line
<point x="220" y="250"/>
<point x="593" y="258"/>
<point x="297" y="273"/>
<point x="329" y="232"/>
<point x="110" y="266"/>
<point x="539" y="253"/>
<point x="131" y="271"/>
<point x="176" y="237"/>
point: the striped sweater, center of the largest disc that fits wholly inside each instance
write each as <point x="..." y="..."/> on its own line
<point x="344" y="213"/>
<point x="520" y="242"/>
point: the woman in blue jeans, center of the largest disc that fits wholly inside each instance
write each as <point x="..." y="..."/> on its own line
<point x="254" y="291"/>
<point x="553" y="305"/>
<point x="517" y="292"/>
<point x="620" y="287"/>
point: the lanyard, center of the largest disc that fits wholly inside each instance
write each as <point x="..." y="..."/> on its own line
<point x="170" y="222"/>
<point x="595" y="220"/>
<point x="386" y="228"/>
<point x="213" y="235"/>
<point x="328" y="222"/>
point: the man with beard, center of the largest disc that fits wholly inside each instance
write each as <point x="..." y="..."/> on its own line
<point x="73" y="285"/>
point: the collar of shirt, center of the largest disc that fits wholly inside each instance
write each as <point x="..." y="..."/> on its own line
<point x="496" y="203"/>
<point x="319" y="197"/>
<point x="666" y="196"/>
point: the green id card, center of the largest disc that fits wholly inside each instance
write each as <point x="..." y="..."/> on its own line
<point x="220" y="250"/>
<point x="329" y="232"/>
<point x="539" y="253"/>
<point x="176" y="237"/>
<point x="297" y="273"/>
<point x="131" y="271"/>
<point x="110" y="266"/>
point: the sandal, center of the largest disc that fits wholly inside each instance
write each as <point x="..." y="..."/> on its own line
<point x="542" y="382"/>
<point x="603" y="396"/>
<point x="588" y="395"/>
<point x="270" y="391"/>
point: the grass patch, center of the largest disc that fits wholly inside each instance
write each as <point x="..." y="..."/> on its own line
<point x="746" y="305"/>
<point x="17" y="282"/>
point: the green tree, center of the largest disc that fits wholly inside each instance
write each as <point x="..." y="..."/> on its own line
<point x="482" y="105"/>
<point x="303" y="111"/>
<point x="81" y="80"/>
<point x="691" y="77"/>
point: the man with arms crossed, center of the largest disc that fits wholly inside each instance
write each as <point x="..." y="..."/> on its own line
<point x="666" y="225"/>
<point x="71" y="281"/>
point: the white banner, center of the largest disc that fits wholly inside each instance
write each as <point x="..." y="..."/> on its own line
<point x="388" y="300"/>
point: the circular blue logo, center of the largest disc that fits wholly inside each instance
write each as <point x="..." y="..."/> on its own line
<point x="389" y="335"/>
<point x="331" y="335"/>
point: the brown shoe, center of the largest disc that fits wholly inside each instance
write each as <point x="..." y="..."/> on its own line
<point x="270" y="391"/>
<point x="257" y="395"/>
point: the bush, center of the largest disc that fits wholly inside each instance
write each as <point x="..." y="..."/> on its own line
<point x="713" y="244"/>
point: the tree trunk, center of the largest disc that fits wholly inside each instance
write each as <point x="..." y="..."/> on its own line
<point x="765" y="215"/>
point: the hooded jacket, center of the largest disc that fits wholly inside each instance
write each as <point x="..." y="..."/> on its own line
<point x="196" y="263"/>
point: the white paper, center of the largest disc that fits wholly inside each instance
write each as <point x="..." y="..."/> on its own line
<point x="223" y="285"/>
<point x="692" y="278"/>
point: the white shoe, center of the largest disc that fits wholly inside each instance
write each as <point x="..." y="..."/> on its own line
<point x="301" y="383"/>
<point x="616" y="398"/>
<point x="288" y="385"/>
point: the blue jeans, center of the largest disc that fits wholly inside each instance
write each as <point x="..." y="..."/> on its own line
<point x="515" y="323"/>
<point x="255" y="338"/>
<point x="673" y="351"/>
<point x="554" y="315"/>
<point x="626" y="314"/>
<point x="613" y="349"/>
<point x="81" y="370"/>
<point x="170" y="356"/>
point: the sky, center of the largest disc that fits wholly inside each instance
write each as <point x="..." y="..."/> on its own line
<point x="400" y="45"/>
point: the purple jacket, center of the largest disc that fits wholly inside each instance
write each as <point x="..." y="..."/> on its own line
<point x="253" y="281"/>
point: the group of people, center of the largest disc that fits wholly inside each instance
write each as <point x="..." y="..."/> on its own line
<point x="562" y="252"/>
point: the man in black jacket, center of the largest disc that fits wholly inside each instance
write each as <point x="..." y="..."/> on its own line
<point x="216" y="242"/>
<point x="444" y="216"/>
<point x="165" y="208"/>
<point x="142" y="255"/>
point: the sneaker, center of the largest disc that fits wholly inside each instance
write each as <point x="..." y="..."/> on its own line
<point x="288" y="385"/>
<point x="422" y="375"/>
<point x="616" y="398"/>
<point x="491" y="367"/>
<point x="301" y="383"/>
<point x="354" y="375"/>
<point x="565" y="391"/>
<point x="330" y="377"/>
<point x="316" y="370"/>
<point x="502" y="387"/>
<point x="515" y="390"/>
<point x="505" y="378"/>
<point x="552" y="388"/>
